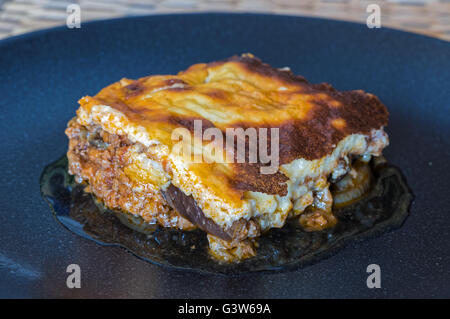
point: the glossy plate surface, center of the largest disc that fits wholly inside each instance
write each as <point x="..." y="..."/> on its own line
<point x="44" y="73"/>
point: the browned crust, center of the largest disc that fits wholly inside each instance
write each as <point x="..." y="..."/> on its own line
<point x="313" y="137"/>
<point x="254" y="64"/>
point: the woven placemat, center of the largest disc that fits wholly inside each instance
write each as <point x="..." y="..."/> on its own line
<point x="430" y="17"/>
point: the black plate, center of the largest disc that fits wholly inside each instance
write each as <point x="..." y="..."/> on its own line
<point x="44" y="73"/>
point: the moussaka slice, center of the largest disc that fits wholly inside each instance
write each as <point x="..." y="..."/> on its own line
<point x="234" y="148"/>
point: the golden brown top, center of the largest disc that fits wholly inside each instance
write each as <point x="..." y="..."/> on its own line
<point x="244" y="92"/>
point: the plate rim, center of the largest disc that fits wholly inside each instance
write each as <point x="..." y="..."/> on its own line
<point x="11" y="40"/>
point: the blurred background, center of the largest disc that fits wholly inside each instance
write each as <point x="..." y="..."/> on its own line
<point x="430" y="17"/>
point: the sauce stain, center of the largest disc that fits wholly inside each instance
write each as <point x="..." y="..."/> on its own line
<point x="384" y="208"/>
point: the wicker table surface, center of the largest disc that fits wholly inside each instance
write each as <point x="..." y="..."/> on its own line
<point x="430" y="17"/>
